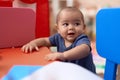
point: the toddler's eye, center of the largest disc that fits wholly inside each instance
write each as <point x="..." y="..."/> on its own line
<point x="65" y="24"/>
<point x="77" y="24"/>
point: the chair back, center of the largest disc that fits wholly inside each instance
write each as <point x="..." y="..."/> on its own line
<point x="42" y="18"/>
<point x="108" y="39"/>
<point x="17" y="26"/>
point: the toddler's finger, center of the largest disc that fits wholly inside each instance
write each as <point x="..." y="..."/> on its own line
<point x="26" y="50"/>
<point x="30" y="49"/>
<point x="36" y="48"/>
<point x="47" y="58"/>
<point x="23" y="48"/>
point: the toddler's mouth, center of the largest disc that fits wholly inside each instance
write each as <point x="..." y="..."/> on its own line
<point x="71" y="34"/>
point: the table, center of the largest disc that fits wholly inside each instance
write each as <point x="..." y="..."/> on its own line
<point x="14" y="56"/>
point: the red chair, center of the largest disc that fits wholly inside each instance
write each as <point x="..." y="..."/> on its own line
<point x="18" y="26"/>
<point x="42" y="19"/>
<point x="42" y="15"/>
<point x="6" y="3"/>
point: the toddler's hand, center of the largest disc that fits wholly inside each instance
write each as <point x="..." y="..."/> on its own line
<point x="29" y="47"/>
<point x="55" y="56"/>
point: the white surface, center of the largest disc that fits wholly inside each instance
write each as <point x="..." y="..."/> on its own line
<point x="62" y="71"/>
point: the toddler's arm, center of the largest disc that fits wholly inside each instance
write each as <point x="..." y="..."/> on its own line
<point x="34" y="44"/>
<point x="77" y="52"/>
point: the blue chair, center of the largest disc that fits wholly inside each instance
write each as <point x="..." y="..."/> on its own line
<point x="108" y="39"/>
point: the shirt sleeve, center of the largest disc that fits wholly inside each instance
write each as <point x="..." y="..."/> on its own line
<point x="83" y="39"/>
<point x="54" y="39"/>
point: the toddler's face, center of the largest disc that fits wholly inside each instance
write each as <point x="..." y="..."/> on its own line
<point x="70" y="25"/>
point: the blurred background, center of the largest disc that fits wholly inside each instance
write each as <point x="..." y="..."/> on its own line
<point x="89" y="9"/>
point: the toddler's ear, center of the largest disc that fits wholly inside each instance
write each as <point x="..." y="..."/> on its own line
<point x="56" y="27"/>
<point x="84" y="28"/>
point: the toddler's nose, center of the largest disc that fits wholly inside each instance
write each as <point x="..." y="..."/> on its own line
<point x="71" y="26"/>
